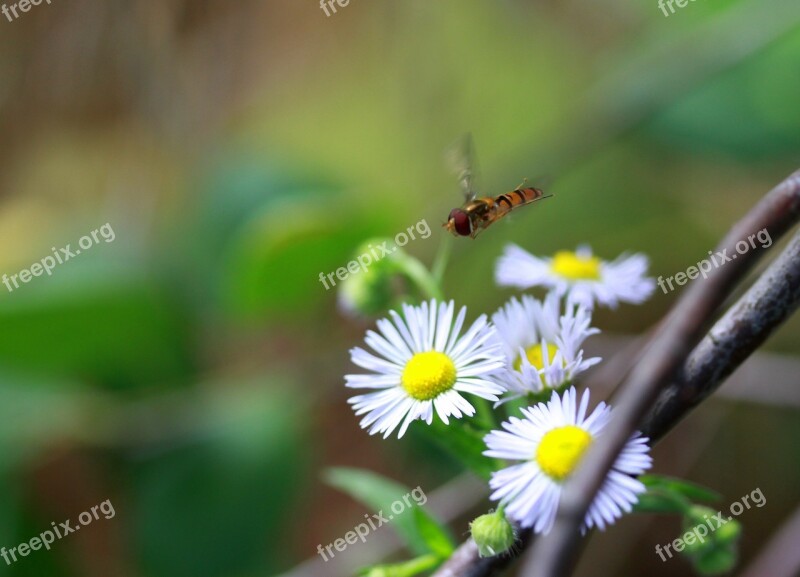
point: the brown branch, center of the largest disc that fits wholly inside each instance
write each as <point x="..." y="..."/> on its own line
<point x="744" y="328"/>
<point x="466" y="562"/>
<point x="776" y="213"/>
<point x="780" y="390"/>
<point x="682" y="329"/>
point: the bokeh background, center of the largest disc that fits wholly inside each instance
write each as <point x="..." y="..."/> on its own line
<point x="191" y="371"/>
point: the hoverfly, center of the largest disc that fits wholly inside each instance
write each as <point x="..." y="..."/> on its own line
<point x="478" y="213"/>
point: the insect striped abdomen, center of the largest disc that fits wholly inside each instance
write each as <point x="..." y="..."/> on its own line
<point x="529" y="194"/>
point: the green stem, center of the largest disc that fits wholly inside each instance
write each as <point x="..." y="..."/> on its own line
<point x="485" y="416"/>
<point x="442" y="258"/>
<point x="416" y="272"/>
<point x="408" y="568"/>
<point x="420" y="564"/>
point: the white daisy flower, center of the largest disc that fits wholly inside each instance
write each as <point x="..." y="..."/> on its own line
<point x="583" y="277"/>
<point x="550" y="441"/>
<point x="422" y="364"/>
<point x="542" y="346"/>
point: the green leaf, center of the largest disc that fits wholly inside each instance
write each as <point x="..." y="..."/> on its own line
<point x="264" y="237"/>
<point x="654" y="501"/>
<point x="403" y="569"/>
<point x="66" y="411"/>
<point x="420" y="531"/>
<point x="691" y="491"/>
<point x="206" y="495"/>
<point x="98" y="321"/>
<point x="465" y="444"/>
<point x="435" y="535"/>
<point x="716" y="561"/>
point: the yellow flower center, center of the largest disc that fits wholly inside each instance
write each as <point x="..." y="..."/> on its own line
<point x="570" y="265"/>
<point x="561" y="450"/>
<point x="428" y="375"/>
<point x="535" y="357"/>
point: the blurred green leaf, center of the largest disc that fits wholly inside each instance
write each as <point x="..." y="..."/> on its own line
<point x="687" y="489"/>
<point x="657" y="502"/>
<point x="220" y="502"/>
<point x="9" y="511"/>
<point x="435" y="535"/>
<point x="420" y="531"/>
<point x="465" y="444"/>
<point x="98" y="320"/>
<point x="36" y="413"/>
<point x="264" y="236"/>
<point x="273" y="263"/>
<point x="716" y="561"/>
<point x="408" y="568"/>
<point x="750" y="111"/>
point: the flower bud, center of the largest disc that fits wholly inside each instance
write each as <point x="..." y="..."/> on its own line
<point x="492" y="533"/>
<point x="697" y="515"/>
<point x="696" y="546"/>
<point x="715" y="561"/>
<point x="729" y="532"/>
<point x="368" y="291"/>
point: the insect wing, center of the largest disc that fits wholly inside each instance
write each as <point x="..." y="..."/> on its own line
<point x="460" y="157"/>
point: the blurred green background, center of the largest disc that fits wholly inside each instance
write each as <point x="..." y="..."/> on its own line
<point x="191" y="371"/>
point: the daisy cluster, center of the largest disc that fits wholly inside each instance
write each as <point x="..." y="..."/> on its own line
<point x="426" y="362"/>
